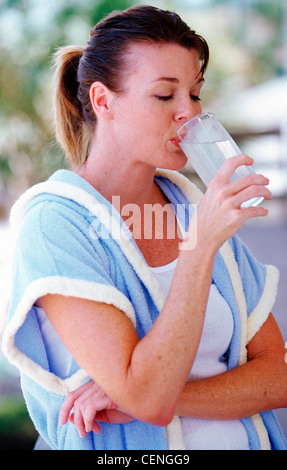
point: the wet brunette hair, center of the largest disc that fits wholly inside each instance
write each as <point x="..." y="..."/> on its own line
<point x="104" y="60"/>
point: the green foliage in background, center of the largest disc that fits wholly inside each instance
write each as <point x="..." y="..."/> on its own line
<point x="16" y="427"/>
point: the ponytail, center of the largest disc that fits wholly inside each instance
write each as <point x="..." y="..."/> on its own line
<point x="72" y="132"/>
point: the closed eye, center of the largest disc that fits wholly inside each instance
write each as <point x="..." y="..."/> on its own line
<point x="195" y="98"/>
<point x="169" y="97"/>
<point x="164" y="98"/>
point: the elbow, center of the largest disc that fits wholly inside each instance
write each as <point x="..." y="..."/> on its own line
<point x="163" y="419"/>
<point x="158" y="415"/>
<point x="149" y="404"/>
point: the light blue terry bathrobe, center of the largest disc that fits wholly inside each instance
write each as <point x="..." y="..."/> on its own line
<point x="73" y="242"/>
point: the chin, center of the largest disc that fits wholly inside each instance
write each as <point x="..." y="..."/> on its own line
<point x="176" y="164"/>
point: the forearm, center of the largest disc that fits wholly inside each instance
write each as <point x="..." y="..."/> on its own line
<point x="163" y="358"/>
<point x="256" y="386"/>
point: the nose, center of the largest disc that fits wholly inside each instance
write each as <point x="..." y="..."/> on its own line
<point x="186" y="110"/>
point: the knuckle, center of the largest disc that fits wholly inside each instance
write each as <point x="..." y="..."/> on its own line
<point x="77" y="405"/>
<point x="257" y="190"/>
<point x="249" y="179"/>
<point x="223" y="194"/>
<point x="72" y="396"/>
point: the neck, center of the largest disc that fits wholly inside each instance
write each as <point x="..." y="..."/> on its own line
<point x="131" y="182"/>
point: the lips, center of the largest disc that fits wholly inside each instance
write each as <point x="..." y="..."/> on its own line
<point x="175" y="142"/>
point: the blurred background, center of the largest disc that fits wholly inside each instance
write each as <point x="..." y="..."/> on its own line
<point x="246" y="86"/>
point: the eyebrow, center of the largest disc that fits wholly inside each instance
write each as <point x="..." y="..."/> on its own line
<point x="175" y="80"/>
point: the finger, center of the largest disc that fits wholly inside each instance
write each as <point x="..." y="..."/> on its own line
<point x="79" y="422"/>
<point x="85" y="411"/>
<point x="89" y="418"/>
<point x="69" y="402"/>
<point x="230" y="165"/>
<point x="96" y="428"/>
<point x="248" y="180"/>
<point x="252" y="212"/>
<point x="251" y="192"/>
<point x="72" y="420"/>
<point x="66" y="409"/>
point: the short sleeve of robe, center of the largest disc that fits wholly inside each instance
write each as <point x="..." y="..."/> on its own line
<point x="58" y="252"/>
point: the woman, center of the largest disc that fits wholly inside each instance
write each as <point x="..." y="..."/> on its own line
<point x="172" y="335"/>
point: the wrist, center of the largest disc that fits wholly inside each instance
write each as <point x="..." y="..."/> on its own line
<point x="197" y="242"/>
<point x="198" y="247"/>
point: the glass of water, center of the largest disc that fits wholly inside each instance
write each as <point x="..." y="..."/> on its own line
<point x="207" y="145"/>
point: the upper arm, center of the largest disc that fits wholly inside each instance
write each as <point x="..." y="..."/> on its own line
<point x="269" y="354"/>
<point x="100" y="337"/>
<point x="267" y="341"/>
<point x="92" y="315"/>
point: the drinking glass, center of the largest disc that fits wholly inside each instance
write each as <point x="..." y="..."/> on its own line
<point x="207" y="145"/>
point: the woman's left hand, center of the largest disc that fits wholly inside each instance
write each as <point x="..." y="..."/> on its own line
<point x="90" y="403"/>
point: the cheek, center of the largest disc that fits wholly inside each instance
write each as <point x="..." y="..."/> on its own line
<point x="148" y="129"/>
<point x="135" y="136"/>
<point x="140" y="127"/>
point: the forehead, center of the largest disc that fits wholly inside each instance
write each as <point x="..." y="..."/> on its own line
<point x="152" y="61"/>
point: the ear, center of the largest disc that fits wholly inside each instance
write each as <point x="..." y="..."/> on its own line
<point x="101" y="98"/>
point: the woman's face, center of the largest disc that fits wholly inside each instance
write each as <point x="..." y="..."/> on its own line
<point x="161" y="92"/>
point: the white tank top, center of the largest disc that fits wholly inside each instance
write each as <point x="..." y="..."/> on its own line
<point x="203" y="434"/>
